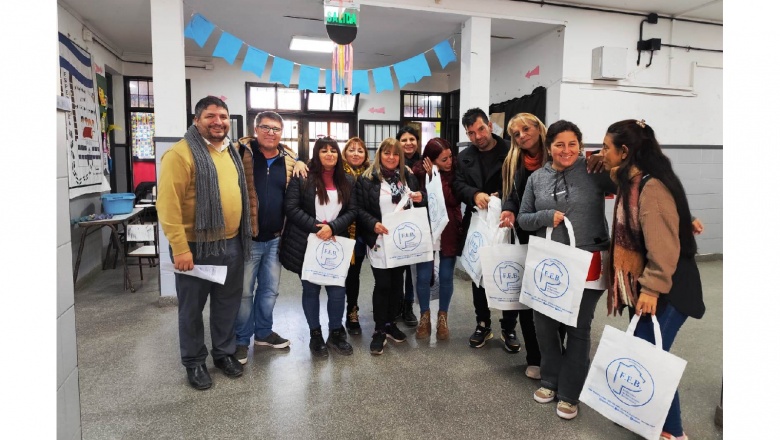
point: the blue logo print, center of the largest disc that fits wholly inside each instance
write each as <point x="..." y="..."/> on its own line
<point x="330" y="254"/>
<point x="407" y="236"/>
<point x="507" y="277"/>
<point x="433" y="208"/>
<point x="475" y="242"/>
<point x="551" y="278"/>
<point x="630" y="382"/>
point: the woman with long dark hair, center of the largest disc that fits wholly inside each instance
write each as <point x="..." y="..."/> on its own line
<point x="378" y="191"/>
<point x="355" y="163"/>
<point x="653" y="245"/>
<point x="322" y="203"/>
<point x="410" y="144"/>
<point x="438" y="152"/>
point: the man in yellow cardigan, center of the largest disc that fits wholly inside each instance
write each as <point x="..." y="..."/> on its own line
<point x="203" y="209"/>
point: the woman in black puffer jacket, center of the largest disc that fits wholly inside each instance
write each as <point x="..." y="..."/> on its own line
<point x="323" y="203"/>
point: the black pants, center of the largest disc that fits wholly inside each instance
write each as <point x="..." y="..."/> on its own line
<point x="353" y="282"/>
<point x="509" y="318"/>
<point x="225" y="300"/>
<point x="388" y="292"/>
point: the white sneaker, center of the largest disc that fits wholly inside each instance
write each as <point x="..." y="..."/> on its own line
<point x="533" y="372"/>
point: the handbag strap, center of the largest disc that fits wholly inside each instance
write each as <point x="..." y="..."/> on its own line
<point x="434" y="172"/>
<point x="401" y="203"/>
<point x="656" y="330"/>
<point x="569" y="228"/>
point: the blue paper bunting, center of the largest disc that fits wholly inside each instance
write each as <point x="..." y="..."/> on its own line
<point x="383" y="79"/>
<point x="445" y="53"/>
<point x="360" y="82"/>
<point x="412" y="70"/>
<point x="255" y="60"/>
<point x="328" y="81"/>
<point x="308" y="78"/>
<point x="228" y="47"/>
<point x="281" y="71"/>
<point x="199" y="29"/>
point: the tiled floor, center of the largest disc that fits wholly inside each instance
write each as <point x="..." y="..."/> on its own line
<point x="134" y="387"/>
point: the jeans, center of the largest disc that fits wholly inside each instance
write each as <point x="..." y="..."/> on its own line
<point x="670" y="322"/>
<point x="446" y="287"/>
<point x="261" y="287"/>
<point x="192" y="294"/>
<point x="311" y="304"/>
<point x="509" y="317"/>
<point x="388" y="293"/>
<point x="408" y="285"/>
<point x="565" y="371"/>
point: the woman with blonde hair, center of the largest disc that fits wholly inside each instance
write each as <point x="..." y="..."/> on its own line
<point x="355" y="163"/>
<point x="526" y="155"/>
<point x="379" y="190"/>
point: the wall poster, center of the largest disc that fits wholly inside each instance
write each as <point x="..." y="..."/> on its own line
<point x="85" y="155"/>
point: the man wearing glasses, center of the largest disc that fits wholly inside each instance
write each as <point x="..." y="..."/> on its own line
<point x="477" y="176"/>
<point x="268" y="166"/>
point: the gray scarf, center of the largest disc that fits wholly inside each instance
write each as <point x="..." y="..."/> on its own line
<point x="209" y="219"/>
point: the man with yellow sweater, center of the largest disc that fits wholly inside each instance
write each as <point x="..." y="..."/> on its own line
<point x="203" y="209"/>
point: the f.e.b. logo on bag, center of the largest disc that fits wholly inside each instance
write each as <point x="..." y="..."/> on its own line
<point x="507" y="277"/>
<point x="630" y="382"/>
<point x="551" y="278"/>
<point x="407" y="236"/>
<point x="475" y="242"/>
<point x="330" y="254"/>
<point x="433" y="209"/>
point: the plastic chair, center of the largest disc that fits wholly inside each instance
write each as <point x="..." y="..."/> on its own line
<point x="137" y="239"/>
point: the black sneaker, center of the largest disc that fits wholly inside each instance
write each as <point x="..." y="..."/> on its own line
<point x="511" y="343"/>
<point x="378" y="342"/>
<point x="337" y="340"/>
<point x="407" y="314"/>
<point x="480" y="336"/>
<point x="394" y="333"/>
<point x="317" y="344"/>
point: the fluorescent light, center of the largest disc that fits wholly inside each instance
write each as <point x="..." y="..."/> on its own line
<point x="310" y="44"/>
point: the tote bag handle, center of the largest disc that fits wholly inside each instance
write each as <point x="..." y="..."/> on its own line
<point x="569" y="229"/>
<point x="656" y="329"/>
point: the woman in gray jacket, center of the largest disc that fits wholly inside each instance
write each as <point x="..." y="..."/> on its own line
<point x="563" y="187"/>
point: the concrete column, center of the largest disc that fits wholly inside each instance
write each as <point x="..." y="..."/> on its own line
<point x="474" y="67"/>
<point x="170" y="95"/>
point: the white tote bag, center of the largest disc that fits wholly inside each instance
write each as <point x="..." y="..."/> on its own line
<point x="476" y="237"/>
<point x="503" y="266"/>
<point x="555" y="277"/>
<point x="409" y="236"/>
<point x="437" y="210"/>
<point x="482" y="230"/>
<point x="631" y="381"/>
<point x="327" y="262"/>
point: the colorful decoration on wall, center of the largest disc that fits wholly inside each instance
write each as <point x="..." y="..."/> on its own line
<point x="407" y="71"/>
<point x="85" y="156"/>
<point x="341" y="22"/>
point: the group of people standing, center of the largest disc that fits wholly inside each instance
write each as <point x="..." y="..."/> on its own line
<point x="251" y="207"/>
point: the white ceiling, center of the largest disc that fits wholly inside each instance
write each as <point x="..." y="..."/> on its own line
<point x="385" y="35"/>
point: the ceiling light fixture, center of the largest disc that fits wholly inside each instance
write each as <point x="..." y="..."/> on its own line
<point x="310" y="44"/>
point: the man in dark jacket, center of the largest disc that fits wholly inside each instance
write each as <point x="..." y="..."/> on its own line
<point x="477" y="176"/>
<point x="268" y="167"/>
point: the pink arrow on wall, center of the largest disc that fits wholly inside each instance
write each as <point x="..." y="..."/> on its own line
<point x="377" y="110"/>
<point x="533" y="72"/>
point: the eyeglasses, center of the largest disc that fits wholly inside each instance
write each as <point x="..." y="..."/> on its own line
<point x="267" y="129"/>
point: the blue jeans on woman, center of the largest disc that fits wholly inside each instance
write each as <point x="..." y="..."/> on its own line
<point x="670" y="322"/>
<point x="311" y="304"/>
<point x="446" y="287"/>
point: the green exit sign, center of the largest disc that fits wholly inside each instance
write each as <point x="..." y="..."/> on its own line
<point x="341" y="16"/>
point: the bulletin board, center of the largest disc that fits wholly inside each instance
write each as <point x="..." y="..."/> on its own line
<point x="82" y="131"/>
